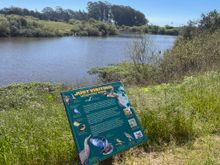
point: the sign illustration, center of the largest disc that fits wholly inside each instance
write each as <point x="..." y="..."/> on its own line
<point x="102" y="120"/>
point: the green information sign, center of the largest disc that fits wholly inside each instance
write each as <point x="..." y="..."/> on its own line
<point x="102" y="120"/>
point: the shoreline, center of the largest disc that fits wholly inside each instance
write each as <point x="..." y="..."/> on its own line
<point x="117" y="35"/>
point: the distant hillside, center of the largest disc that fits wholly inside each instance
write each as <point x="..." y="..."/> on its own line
<point x="102" y="11"/>
<point x="28" y="26"/>
<point x="113" y="18"/>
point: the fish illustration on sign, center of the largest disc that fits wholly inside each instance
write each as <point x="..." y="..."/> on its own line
<point x="102" y="144"/>
<point x="84" y="154"/>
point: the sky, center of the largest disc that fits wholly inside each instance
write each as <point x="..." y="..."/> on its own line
<point x="158" y="12"/>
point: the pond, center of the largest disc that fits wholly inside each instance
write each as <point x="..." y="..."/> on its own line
<point x="65" y="59"/>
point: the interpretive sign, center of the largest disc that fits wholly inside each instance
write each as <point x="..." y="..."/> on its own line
<point x="102" y="120"/>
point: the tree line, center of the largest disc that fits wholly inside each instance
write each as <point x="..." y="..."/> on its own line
<point x="102" y="11"/>
<point x="207" y="23"/>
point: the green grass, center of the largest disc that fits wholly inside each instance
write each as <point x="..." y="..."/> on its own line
<point x="181" y="120"/>
<point x="180" y="112"/>
<point x="203" y="151"/>
<point x="57" y="26"/>
<point x="34" y="127"/>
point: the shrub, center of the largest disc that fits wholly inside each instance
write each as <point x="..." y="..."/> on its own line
<point x="180" y="112"/>
<point x="82" y="33"/>
<point x="92" y="31"/>
<point x="202" y="53"/>
<point x="112" y="30"/>
<point x="4" y="27"/>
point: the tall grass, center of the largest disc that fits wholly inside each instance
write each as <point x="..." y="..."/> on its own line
<point x="180" y="112"/>
<point x="34" y="128"/>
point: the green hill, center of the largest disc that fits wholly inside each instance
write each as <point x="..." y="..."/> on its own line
<point x="28" y="26"/>
<point x="182" y="121"/>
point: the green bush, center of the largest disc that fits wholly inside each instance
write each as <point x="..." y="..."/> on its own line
<point x="4" y="27"/>
<point x="202" y="53"/>
<point x="93" y="27"/>
<point x="92" y="31"/>
<point x="14" y="25"/>
<point x="82" y="33"/>
<point x="112" y="30"/>
<point x="119" y="72"/>
<point x="180" y="112"/>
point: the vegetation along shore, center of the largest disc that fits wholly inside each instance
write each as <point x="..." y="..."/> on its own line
<point x="111" y="20"/>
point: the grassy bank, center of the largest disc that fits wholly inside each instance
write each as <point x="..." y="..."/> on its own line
<point x="178" y="118"/>
<point x="28" y="26"/>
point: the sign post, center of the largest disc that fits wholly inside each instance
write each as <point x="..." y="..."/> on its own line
<point x="103" y="122"/>
<point x="106" y="162"/>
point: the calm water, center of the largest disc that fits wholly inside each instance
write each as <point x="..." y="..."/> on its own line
<point x="65" y="59"/>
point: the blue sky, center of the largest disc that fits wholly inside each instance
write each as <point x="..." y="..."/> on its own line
<point x="159" y="12"/>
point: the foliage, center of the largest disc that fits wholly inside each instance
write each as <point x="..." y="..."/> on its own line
<point x="125" y="15"/>
<point x="210" y="22"/>
<point x="34" y="128"/>
<point x="102" y="11"/>
<point x="14" y="25"/>
<point x="4" y="26"/>
<point x="180" y="112"/>
<point x="200" y="54"/>
<point x="93" y="28"/>
<point x="151" y="29"/>
<point x="144" y="59"/>
<point x="48" y="13"/>
<point x="207" y="23"/>
<point x="119" y="72"/>
<point x="106" y="18"/>
<point x="99" y="11"/>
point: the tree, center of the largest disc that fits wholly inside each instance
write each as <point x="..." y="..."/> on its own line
<point x="125" y="15"/>
<point x="48" y="13"/>
<point x="189" y="31"/>
<point x="79" y="15"/>
<point x="144" y="58"/>
<point x="211" y="21"/>
<point x="99" y="10"/>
